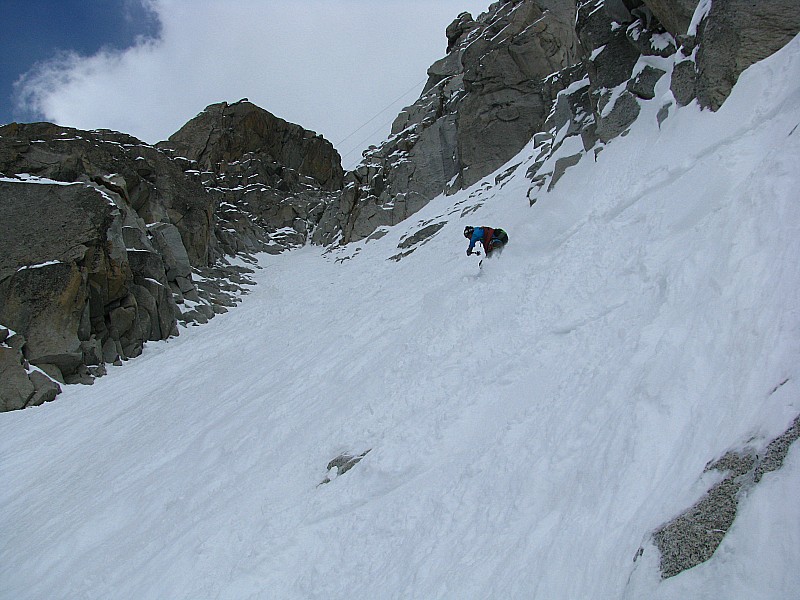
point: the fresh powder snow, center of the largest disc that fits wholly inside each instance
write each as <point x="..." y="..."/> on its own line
<point x="529" y="423"/>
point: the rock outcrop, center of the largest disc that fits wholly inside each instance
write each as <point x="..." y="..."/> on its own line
<point x="730" y="37"/>
<point x="341" y="465"/>
<point x="107" y="242"/>
<point x="629" y="46"/>
<point x="154" y="186"/>
<point x="272" y="180"/>
<point x="482" y="103"/>
<point x="70" y="286"/>
<point x="20" y="384"/>
<point x="228" y="134"/>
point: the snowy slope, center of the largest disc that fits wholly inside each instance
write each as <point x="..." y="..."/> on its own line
<point x="530" y="423"/>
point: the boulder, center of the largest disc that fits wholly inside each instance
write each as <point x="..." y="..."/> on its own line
<point x="45" y="389"/>
<point x="46" y="304"/>
<point x="619" y="118"/>
<point x="684" y="82"/>
<point x="15" y="387"/>
<point x="561" y="166"/>
<point x="342" y="464"/>
<point x="643" y="85"/>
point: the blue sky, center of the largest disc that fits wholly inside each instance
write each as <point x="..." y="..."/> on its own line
<point x="32" y="31"/>
<point x="341" y="68"/>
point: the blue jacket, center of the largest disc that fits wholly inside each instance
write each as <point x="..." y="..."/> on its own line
<point x="477" y="236"/>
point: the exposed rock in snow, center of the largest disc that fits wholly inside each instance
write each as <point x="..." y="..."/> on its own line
<point x="272" y="180"/>
<point x="342" y="464"/>
<point x="692" y="538"/>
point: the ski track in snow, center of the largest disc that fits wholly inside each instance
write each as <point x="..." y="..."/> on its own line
<point x="529" y="423"/>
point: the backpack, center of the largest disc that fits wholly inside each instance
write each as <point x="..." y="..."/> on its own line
<point x="500" y="235"/>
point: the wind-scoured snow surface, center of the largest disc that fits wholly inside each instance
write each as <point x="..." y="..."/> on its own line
<point x="530" y="423"/>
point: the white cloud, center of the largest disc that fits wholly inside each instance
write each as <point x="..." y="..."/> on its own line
<point x="328" y="65"/>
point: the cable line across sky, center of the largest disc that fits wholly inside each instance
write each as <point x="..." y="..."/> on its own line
<point x="381" y="126"/>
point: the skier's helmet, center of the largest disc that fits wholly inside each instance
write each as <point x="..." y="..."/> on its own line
<point x="468" y="231"/>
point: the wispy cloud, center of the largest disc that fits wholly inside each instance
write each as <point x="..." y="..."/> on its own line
<point x="329" y="65"/>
